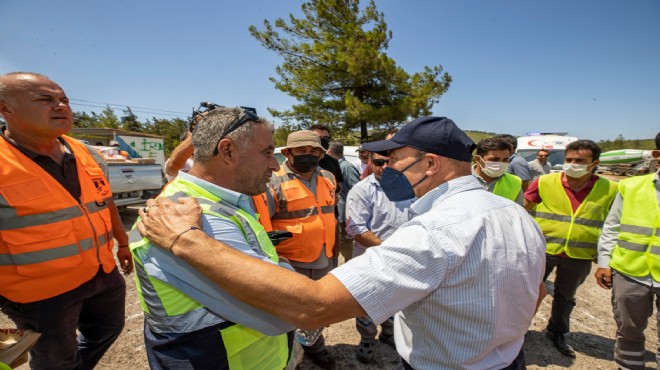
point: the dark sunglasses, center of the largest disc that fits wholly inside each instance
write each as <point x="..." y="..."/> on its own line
<point x="243" y="118"/>
<point x="542" y="155"/>
<point x="379" y="162"/>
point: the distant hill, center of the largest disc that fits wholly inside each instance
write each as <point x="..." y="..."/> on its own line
<point x="477" y="136"/>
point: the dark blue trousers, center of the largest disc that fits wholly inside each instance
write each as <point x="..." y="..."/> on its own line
<point x="95" y="308"/>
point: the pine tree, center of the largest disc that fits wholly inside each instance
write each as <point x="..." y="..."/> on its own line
<point x="336" y="66"/>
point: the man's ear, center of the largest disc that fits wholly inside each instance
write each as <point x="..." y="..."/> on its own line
<point x="227" y="149"/>
<point x="656" y="153"/>
<point x="4" y="107"/>
<point x="432" y="162"/>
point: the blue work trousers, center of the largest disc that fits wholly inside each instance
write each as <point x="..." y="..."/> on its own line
<point x="96" y="309"/>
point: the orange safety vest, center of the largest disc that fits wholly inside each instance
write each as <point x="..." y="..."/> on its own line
<point x="51" y="243"/>
<point x="261" y="209"/>
<point x="310" y="219"/>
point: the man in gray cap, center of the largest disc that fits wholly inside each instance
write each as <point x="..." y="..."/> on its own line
<point x="302" y="201"/>
<point x="463" y="276"/>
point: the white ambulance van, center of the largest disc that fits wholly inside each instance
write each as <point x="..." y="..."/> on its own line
<point x="554" y="143"/>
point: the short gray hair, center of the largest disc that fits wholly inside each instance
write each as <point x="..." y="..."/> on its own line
<point x="212" y="124"/>
<point x="336" y="147"/>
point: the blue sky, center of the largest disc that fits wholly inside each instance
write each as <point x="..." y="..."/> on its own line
<point x="587" y="67"/>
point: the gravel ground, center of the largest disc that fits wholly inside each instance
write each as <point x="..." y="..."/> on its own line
<point x="593" y="332"/>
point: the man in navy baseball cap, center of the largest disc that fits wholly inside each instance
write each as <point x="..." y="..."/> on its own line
<point x="438" y="135"/>
<point x="412" y="147"/>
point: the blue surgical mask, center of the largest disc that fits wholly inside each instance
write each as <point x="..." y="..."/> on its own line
<point x="395" y="184"/>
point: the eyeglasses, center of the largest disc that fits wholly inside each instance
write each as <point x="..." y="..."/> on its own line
<point x="541" y="156"/>
<point x="243" y="118"/>
<point x="379" y="162"/>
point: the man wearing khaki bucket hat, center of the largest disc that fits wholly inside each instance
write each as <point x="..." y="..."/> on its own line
<point x="303" y="202"/>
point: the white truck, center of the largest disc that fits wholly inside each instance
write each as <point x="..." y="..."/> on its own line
<point x="132" y="180"/>
<point x="554" y="143"/>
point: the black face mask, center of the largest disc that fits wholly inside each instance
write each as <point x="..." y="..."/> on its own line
<point x="305" y="163"/>
<point x="325" y="142"/>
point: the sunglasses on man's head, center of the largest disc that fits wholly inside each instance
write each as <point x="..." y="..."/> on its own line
<point x="243" y="118"/>
<point x="379" y="162"/>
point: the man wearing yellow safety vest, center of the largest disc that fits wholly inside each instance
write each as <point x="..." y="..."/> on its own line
<point x="570" y="206"/>
<point x="491" y="163"/>
<point x="303" y="202"/>
<point x="629" y="262"/>
<point x="189" y="321"/>
<point x="57" y="224"/>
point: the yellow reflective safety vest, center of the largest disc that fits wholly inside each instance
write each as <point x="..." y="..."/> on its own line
<point x="575" y="234"/>
<point x="508" y="186"/>
<point x="637" y="252"/>
<point x="179" y="324"/>
<point x="310" y="219"/>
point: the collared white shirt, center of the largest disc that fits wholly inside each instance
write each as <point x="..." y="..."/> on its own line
<point x="463" y="275"/>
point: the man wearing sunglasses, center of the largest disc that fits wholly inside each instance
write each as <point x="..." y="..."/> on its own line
<point x="372" y="218"/>
<point x="540" y="166"/>
<point x="190" y="322"/>
<point x="303" y="202"/>
<point x="463" y="276"/>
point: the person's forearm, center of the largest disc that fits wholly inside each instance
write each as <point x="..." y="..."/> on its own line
<point x="178" y="158"/>
<point x="293" y="297"/>
<point x="368" y="239"/>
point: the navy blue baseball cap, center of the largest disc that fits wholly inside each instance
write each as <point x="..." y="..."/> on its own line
<point x="437" y="135"/>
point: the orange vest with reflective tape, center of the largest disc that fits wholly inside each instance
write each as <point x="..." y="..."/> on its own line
<point x="51" y="243"/>
<point x="310" y="219"/>
<point x="261" y="208"/>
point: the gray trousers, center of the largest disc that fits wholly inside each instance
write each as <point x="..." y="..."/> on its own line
<point x="571" y="273"/>
<point x="315" y="274"/>
<point x="632" y="303"/>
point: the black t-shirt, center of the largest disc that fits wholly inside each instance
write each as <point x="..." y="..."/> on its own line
<point x="332" y="165"/>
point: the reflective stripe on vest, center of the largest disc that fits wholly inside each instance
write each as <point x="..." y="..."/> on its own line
<point x="301" y="213"/>
<point x="169" y="310"/>
<point x="508" y="186"/>
<point x="637" y="252"/>
<point x="575" y="234"/>
<point x="51" y="243"/>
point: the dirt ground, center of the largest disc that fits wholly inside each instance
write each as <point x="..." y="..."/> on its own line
<point x="592" y="336"/>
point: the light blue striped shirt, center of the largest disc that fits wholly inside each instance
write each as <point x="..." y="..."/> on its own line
<point x="369" y="209"/>
<point x="463" y="275"/>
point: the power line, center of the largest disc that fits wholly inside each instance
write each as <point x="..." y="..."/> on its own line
<point x="178" y="114"/>
<point x="126" y="105"/>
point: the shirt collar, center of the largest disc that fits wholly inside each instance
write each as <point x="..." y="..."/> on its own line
<point x="30" y="154"/>
<point x="442" y="192"/>
<point x="234" y="198"/>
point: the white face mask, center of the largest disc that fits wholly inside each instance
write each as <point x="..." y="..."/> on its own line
<point x="494" y="169"/>
<point x="575" y="170"/>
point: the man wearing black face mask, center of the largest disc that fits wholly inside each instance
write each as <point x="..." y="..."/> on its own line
<point x="327" y="162"/>
<point x="303" y="202"/>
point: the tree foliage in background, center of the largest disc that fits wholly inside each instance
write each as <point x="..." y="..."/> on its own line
<point x="171" y="128"/>
<point x="335" y="65"/>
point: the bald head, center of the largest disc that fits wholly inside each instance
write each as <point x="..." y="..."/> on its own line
<point x="34" y="107"/>
<point x="11" y="82"/>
